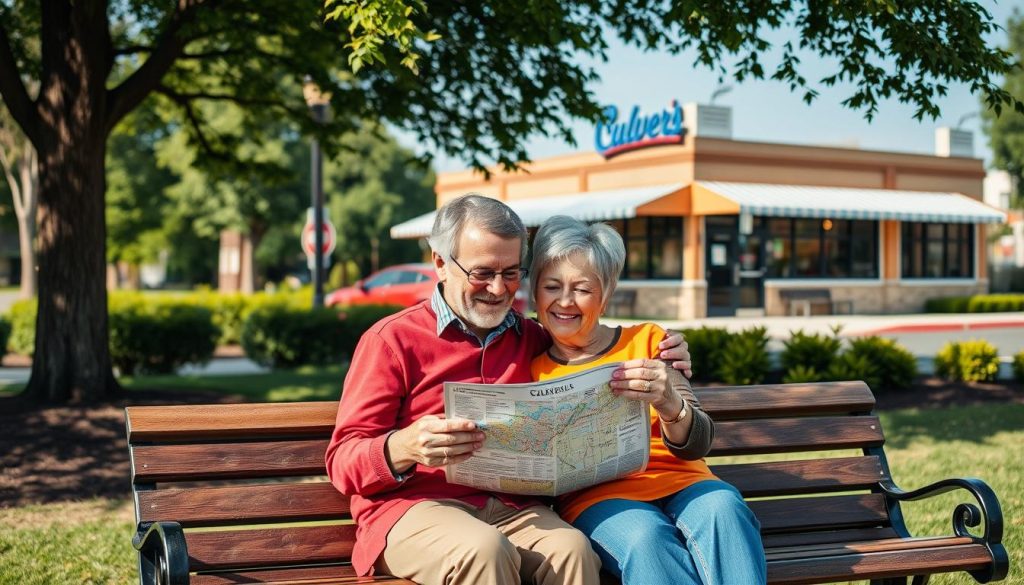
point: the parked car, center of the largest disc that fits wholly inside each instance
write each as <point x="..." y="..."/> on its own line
<point x="403" y="284"/>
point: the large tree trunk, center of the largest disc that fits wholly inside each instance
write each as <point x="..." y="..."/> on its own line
<point x="72" y="358"/>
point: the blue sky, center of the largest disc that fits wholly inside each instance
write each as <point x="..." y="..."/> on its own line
<point x="766" y="111"/>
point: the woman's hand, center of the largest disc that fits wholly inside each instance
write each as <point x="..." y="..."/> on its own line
<point x="647" y="380"/>
<point x="433" y="441"/>
<point x="675" y="349"/>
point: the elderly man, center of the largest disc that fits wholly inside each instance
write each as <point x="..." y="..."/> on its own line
<point x="391" y="441"/>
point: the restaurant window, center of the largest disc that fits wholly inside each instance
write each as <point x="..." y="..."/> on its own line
<point x="937" y="250"/>
<point x="654" y="247"/>
<point x="820" y="248"/>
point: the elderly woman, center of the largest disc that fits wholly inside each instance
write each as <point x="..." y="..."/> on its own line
<point x="675" y="522"/>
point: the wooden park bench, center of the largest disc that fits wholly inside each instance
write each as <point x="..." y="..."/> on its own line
<point x="805" y="299"/>
<point x="236" y="493"/>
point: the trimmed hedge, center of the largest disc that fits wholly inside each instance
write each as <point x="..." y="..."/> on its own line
<point x="282" y="336"/>
<point x="22" y="316"/>
<point x="706" y="345"/>
<point x="745" y="357"/>
<point x="1018" y="366"/>
<point x="881" y="362"/>
<point x="5" y="334"/>
<point x="976" y="304"/>
<point x="159" y="337"/>
<point x="807" y="357"/>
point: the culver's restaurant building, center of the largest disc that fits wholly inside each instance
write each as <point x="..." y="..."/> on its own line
<point x="715" y="226"/>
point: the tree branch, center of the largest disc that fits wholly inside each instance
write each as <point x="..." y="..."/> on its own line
<point x="185" y="104"/>
<point x="13" y="91"/>
<point x="130" y="93"/>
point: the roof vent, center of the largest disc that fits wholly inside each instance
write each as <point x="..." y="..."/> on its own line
<point x="707" y="120"/>
<point x="954" y="142"/>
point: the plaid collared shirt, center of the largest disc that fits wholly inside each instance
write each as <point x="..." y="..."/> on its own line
<point x="445" y="317"/>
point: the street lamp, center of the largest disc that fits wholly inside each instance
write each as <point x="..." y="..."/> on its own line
<point x="317" y="102"/>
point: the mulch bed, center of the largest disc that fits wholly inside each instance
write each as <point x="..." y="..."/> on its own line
<point x="75" y="452"/>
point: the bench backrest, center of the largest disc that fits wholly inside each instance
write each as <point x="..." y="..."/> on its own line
<point x="247" y="480"/>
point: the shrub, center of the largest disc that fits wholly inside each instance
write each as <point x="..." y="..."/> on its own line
<point x="280" y="336"/>
<point x="894" y="367"/>
<point x="976" y="304"/>
<point x="148" y="336"/>
<point x="744" y="359"/>
<point x="5" y="334"/>
<point x="800" y="374"/>
<point x="22" y="315"/>
<point x="975" y="360"/>
<point x="706" y="345"/>
<point x="810" y="352"/>
<point x="359" y="318"/>
<point x="1018" y="366"/>
<point x="228" y="309"/>
<point x="851" y="365"/>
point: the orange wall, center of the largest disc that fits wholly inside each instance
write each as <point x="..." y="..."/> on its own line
<point x="890" y="232"/>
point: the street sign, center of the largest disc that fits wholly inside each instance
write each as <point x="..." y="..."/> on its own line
<point x="330" y="238"/>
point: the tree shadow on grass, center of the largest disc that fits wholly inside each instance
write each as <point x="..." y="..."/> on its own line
<point x="73" y="452"/>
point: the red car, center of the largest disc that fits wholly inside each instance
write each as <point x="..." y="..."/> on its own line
<point x="403" y="284"/>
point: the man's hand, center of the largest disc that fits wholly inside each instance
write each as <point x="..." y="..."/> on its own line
<point x="433" y="441"/>
<point x="675" y="350"/>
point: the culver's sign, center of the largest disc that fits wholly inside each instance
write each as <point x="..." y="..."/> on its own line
<point x="614" y="136"/>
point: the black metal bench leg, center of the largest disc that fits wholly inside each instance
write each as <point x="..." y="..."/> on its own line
<point x="890" y="581"/>
<point x="920" y="580"/>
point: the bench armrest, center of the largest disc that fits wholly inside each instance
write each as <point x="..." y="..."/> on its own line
<point x="967" y="514"/>
<point x="163" y="555"/>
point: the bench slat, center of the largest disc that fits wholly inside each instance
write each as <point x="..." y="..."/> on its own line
<point x="796" y="434"/>
<point x="228" y="460"/>
<point x="821" y="513"/>
<point x="304" y="575"/>
<point x="775" y="400"/>
<point x="270" y="547"/>
<point x="889" y="544"/>
<point x="247" y="504"/>
<point x="781" y="478"/>
<point x="878" y="565"/>
<point x="772" y="541"/>
<point x="218" y="421"/>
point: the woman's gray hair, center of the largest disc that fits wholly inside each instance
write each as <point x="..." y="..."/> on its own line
<point x="561" y="237"/>
<point x="487" y="213"/>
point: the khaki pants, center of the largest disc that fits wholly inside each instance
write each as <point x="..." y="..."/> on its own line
<point x="448" y="542"/>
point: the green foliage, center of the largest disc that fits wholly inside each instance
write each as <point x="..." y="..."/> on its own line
<point x="152" y="336"/>
<point x="1006" y="132"/>
<point x="373" y="24"/>
<point x="975" y="360"/>
<point x="880" y="362"/>
<point x="359" y="318"/>
<point x="706" y="345"/>
<point x="744" y="358"/>
<point x="802" y="374"/>
<point x="22" y="316"/>
<point x="810" y="352"/>
<point x="279" y="336"/>
<point x="5" y="334"/>
<point x="995" y="303"/>
<point x="1018" y="366"/>
<point x="228" y="311"/>
<point x="851" y="365"/>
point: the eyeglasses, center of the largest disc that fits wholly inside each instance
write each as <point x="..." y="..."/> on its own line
<point x="480" y="276"/>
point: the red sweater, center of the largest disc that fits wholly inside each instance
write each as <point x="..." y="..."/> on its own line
<point x="397" y="375"/>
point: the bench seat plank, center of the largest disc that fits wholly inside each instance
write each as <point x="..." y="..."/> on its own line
<point x="330" y="575"/>
<point x="246" y="504"/>
<point x="785" y="478"/>
<point x="772" y="541"/>
<point x="775" y="400"/>
<point x="878" y="565"/>
<point x="868" y="546"/>
<point x="164" y="463"/>
<point x="270" y="547"/>
<point x="795" y="434"/>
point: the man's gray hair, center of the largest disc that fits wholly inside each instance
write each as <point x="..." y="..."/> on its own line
<point x="561" y="237"/>
<point x="487" y="213"/>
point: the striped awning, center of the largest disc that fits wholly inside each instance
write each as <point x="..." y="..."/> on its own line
<point x="587" y="206"/>
<point x="849" y="203"/>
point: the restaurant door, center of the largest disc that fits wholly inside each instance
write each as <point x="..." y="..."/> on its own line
<point x="734" y="266"/>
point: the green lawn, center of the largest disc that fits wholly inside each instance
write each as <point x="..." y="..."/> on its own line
<point x="89" y="542"/>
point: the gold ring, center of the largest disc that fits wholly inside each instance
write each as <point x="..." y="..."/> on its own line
<point x="647" y="385"/>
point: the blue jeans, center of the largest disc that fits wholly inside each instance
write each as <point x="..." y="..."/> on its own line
<point x="704" y="534"/>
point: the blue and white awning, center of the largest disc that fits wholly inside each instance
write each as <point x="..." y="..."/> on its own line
<point x="852" y="203"/>
<point x="587" y="206"/>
